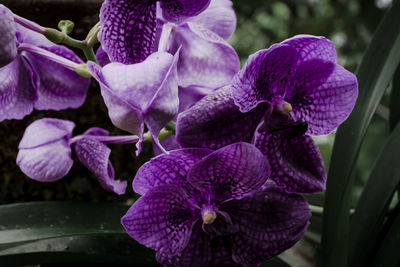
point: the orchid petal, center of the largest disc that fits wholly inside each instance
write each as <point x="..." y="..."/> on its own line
<point x="233" y="171"/>
<point x="17" y="90"/>
<point x="296" y="164"/>
<point x="8" y="47"/>
<point x="269" y="221"/>
<point x="204" y="54"/>
<point x="128" y="28"/>
<point x="46" y="163"/>
<point x="312" y="47"/>
<point x="263" y="77"/>
<point x="323" y="95"/>
<point x="219" y="17"/>
<point x="201" y="251"/>
<point x="215" y="121"/>
<point x="59" y="88"/>
<point x="94" y="155"/>
<point x="44" y="151"/>
<point x="178" y="10"/>
<point x="45" y="131"/>
<point x="171" y="168"/>
<point x="122" y="114"/>
<point x="162" y="219"/>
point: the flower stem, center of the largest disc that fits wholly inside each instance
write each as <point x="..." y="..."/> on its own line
<point x="86" y="45"/>
<point x="80" y="69"/>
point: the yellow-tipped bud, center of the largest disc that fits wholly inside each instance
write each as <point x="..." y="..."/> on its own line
<point x="209" y="217"/>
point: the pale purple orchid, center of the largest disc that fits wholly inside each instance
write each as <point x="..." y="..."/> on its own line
<point x="35" y="73"/>
<point x="282" y="92"/>
<point x="128" y="27"/>
<point x="140" y="94"/>
<point x="208" y="208"/>
<point x="47" y="150"/>
<point x="204" y="53"/>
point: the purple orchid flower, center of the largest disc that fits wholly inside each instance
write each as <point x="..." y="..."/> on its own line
<point x="128" y="27"/>
<point x="139" y="94"/>
<point x="203" y="208"/>
<point x="204" y="53"/>
<point x="47" y="149"/>
<point x="34" y="71"/>
<point x="278" y="93"/>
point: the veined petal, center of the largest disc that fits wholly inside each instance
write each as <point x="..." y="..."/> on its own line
<point x="45" y="131"/>
<point x="128" y="28"/>
<point x="162" y="219"/>
<point x="201" y="251"/>
<point x="215" y="121"/>
<point x="94" y="155"/>
<point x="8" y="47"/>
<point x="58" y="87"/>
<point x="122" y="114"/>
<point x="264" y="76"/>
<point x="17" y="90"/>
<point x="269" y="221"/>
<point x="170" y="168"/>
<point x="204" y="54"/>
<point x="311" y="47"/>
<point x="178" y="10"/>
<point x="323" y="95"/>
<point x="219" y="17"/>
<point x="296" y="164"/>
<point x="231" y="172"/>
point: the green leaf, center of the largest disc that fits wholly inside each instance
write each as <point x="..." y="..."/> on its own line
<point x="40" y="232"/>
<point x="394" y="117"/>
<point x="368" y="219"/>
<point x="375" y="71"/>
<point x="388" y="254"/>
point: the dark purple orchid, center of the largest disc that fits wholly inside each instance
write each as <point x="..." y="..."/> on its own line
<point x="278" y="93"/>
<point x="128" y="27"/>
<point x="47" y="149"/>
<point x="204" y="208"/>
<point x="33" y="72"/>
<point x="139" y="94"/>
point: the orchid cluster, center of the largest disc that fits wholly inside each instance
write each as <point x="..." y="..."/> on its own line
<point x="227" y="188"/>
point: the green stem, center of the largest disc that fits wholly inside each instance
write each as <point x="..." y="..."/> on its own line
<point x="89" y="54"/>
<point x="59" y="37"/>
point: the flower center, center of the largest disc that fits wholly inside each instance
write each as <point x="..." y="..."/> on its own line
<point x="282" y="107"/>
<point x="208" y="214"/>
